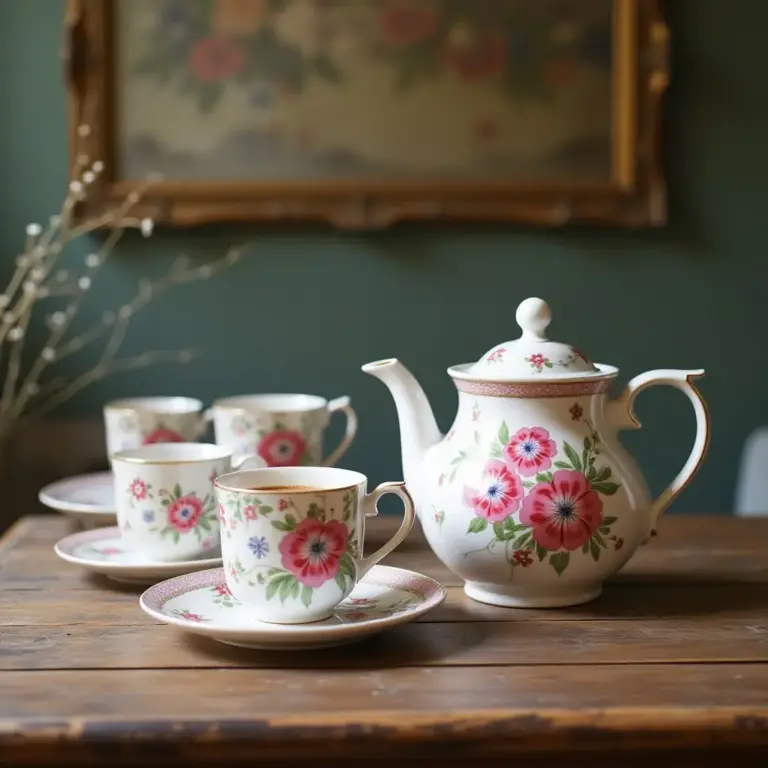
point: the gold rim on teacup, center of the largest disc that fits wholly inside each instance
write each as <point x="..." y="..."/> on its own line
<point x="161" y="407"/>
<point x="310" y="476"/>
<point x="271" y="403"/>
<point x="129" y="456"/>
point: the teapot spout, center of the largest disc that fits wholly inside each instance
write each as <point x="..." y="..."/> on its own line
<point x="418" y="428"/>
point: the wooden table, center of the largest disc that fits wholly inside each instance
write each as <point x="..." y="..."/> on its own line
<point x="671" y="660"/>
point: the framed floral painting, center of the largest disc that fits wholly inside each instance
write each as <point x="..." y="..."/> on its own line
<point x="362" y="113"/>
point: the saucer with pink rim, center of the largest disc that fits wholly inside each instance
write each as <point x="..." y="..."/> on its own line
<point x="101" y="551"/>
<point x="201" y="603"/>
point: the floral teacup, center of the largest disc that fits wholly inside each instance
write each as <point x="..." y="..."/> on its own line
<point x="165" y="499"/>
<point x="137" y="421"/>
<point x="292" y="538"/>
<point x="285" y="430"/>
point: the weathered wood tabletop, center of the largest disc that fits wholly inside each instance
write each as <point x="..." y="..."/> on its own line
<point x="671" y="659"/>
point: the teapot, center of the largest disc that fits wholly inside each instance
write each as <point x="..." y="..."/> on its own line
<point x="530" y="497"/>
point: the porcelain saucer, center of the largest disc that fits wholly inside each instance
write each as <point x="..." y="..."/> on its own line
<point x="202" y="604"/>
<point x="89" y="499"/>
<point x="101" y="551"/>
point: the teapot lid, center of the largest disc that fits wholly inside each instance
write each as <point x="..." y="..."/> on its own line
<point x="533" y="356"/>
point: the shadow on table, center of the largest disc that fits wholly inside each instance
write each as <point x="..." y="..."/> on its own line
<point x="403" y="646"/>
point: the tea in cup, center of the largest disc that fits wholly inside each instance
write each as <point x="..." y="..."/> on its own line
<point x="165" y="499"/>
<point x="284" y="429"/>
<point x="136" y="421"/>
<point x="292" y="538"/>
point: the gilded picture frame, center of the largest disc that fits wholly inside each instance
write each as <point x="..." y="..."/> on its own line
<point x="400" y="133"/>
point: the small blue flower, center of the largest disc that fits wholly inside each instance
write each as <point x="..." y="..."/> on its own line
<point x="148" y="516"/>
<point x="259" y="546"/>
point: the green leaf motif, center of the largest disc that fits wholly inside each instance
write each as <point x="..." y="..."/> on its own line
<point x="166" y="502"/>
<point x="609" y="520"/>
<point x="281" y="526"/>
<point x="176" y="537"/>
<point x="541" y="553"/>
<point x="602" y="474"/>
<point x="503" y="433"/>
<point x="347" y="565"/>
<point x="573" y="457"/>
<point x="598" y="539"/>
<point x="286" y="586"/>
<point x="559" y="561"/>
<point x="608" y="489"/>
<point x="543" y="477"/>
<point x="306" y="596"/>
<point x="265" y="510"/>
<point x="522" y="542"/>
<point x="477" y="525"/>
<point x="177" y="491"/>
<point x="587" y="444"/>
<point x="585" y="548"/>
<point x="341" y="581"/>
<point x="290" y="521"/>
<point x="563" y="465"/>
<point x="496" y="451"/>
<point x="528" y="484"/>
<point x="498" y="531"/>
<point x="595" y="550"/>
<point x="272" y="588"/>
<point x="295" y="587"/>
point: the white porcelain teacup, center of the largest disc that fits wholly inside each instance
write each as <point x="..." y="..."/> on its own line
<point x="165" y="498"/>
<point x="136" y="421"/>
<point x="284" y="429"/>
<point x="292" y="538"/>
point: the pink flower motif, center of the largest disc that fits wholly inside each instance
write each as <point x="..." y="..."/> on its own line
<point x="251" y="512"/>
<point x="481" y="58"/>
<point x="212" y="477"/>
<point x="138" y="489"/>
<point x="576" y="411"/>
<point x="530" y="451"/>
<point x="360" y="600"/>
<point x="189" y="616"/>
<point x="282" y="449"/>
<point x="163" y="435"/>
<point x="618" y="544"/>
<point x="312" y="551"/>
<point x="497" y="355"/>
<point x="222" y="590"/>
<point x="501" y="495"/>
<point x="451" y="434"/>
<point x="404" y="22"/>
<point x="355" y="615"/>
<point x="111" y="551"/>
<point x="216" y="58"/>
<point x="234" y="574"/>
<point x="222" y="513"/>
<point x="537" y="361"/>
<point x="184" y="513"/>
<point x="207" y="544"/>
<point x="441" y="479"/>
<point x="564" y="513"/>
<point x="523" y="557"/>
<point x="283" y="504"/>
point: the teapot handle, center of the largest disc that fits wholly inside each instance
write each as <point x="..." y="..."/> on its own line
<point x="622" y="416"/>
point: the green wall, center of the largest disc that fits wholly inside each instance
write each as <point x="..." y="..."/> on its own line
<point x="309" y="306"/>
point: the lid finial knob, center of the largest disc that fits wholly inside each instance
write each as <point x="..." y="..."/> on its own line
<point x="533" y="316"/>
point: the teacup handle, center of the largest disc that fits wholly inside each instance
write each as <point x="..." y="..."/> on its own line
<point x="370" y="509"/>
<point x="622" y="416"/>
<point x="202" y="424"/>
<point x="248" y="461"/>
<point x="342" y="404"/>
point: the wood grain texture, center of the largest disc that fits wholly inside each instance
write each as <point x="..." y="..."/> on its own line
<point x="668" y="664"/>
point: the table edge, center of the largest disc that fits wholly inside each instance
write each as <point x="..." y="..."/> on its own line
<point x="482" y="732"/>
